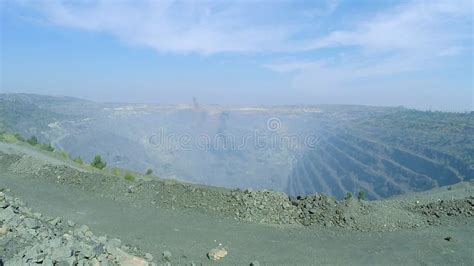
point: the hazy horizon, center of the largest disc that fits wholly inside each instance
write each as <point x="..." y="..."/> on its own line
<point x="242" y="105"/>
<point x="416" y="54"/>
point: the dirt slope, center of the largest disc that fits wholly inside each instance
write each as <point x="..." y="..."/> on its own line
<point x="189" y="220"/>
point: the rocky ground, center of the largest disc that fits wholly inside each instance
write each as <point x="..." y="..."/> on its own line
<point x="435" y="212"/>
<point x="266" y="207"/>
<point x="29" y="237"/>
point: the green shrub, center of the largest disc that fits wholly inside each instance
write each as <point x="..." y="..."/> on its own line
<point x="33" y="141"/>
<point x="78" y="160"/>
<point x="361" y="195"/>
<point x="128" y="176"/>
<point x="149" y="172"/>
<point x="46" y="147"/>
<point x="115" y="171"/>
<point x="98" y="162"/>
<point x="348" y="196"/>
<point x="64" y="154"/>
<point x="9" y="138"/>
<point x="19" y="137"/>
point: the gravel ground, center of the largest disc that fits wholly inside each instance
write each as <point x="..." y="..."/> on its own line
<point x="189" y="220"/>
<point x="28" y="237"/>
<point x="266" y="207"/>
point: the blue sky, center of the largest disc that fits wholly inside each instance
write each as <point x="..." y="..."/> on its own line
<point x="417" y="54"/>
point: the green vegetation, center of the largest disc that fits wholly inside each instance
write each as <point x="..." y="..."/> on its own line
<point x="361" y="195"/>
<point x="149" y="172"/>
<point x="98" y="162"/>
<point x="115" y="171"/>
<point x="8" y="138"/>
<point x="129" y="176"/>
<point x="64" y="154"/>
<point x="19" y="137"/>
<point x="78" y="160"/>
<point x="46" y="147"/>
<point x="20" y="113"/>
<point x="33" y="141"/>
<point x="348" y="196"/>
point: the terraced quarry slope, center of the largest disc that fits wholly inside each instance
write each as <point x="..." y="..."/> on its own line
<point x="383" y="151"/>
<point x="388" y="154"/>
<point x="185" y="221"/>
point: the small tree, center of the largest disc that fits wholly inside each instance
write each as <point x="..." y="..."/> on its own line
<point x="98" y="163"/>
<point x="32" y="141"/>
<point x="46" y="147"/>
<point x="128" y="176"/>
<point x="361" y="195"/>
<point x="149" y="172"/>
<point x="348" y="196"/>
<point x="78" y="160"/>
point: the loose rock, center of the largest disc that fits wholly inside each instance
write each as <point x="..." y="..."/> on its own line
<point x="148" y="257"/>
<point x="166" y="255"/>
<point x="55" y="221"/>
<point x="217" y="253"/>
<point x="33" y="240"/>
<point x="3" y="230"/>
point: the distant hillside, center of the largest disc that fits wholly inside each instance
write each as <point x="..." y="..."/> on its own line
<point x="382" y="150"/>
<point x="20" y="114"/>
<point x="388" y="153"/>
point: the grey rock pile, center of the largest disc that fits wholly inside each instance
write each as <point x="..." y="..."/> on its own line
<point x="277" y="208"/>
<point x="264" y="207"/>
<point x="326" y="211"/>
<point x="29" y="238"/>
<point x="442" y="209"/>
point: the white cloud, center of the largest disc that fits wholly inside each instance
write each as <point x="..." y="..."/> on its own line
<point x="291" y="66"/>
<point x="402" y="40"/>
<point x="324" y="76"/>
<point x="208" y="27"/>
<point x="418" y="25"/>
<point x="204" y="27"/>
